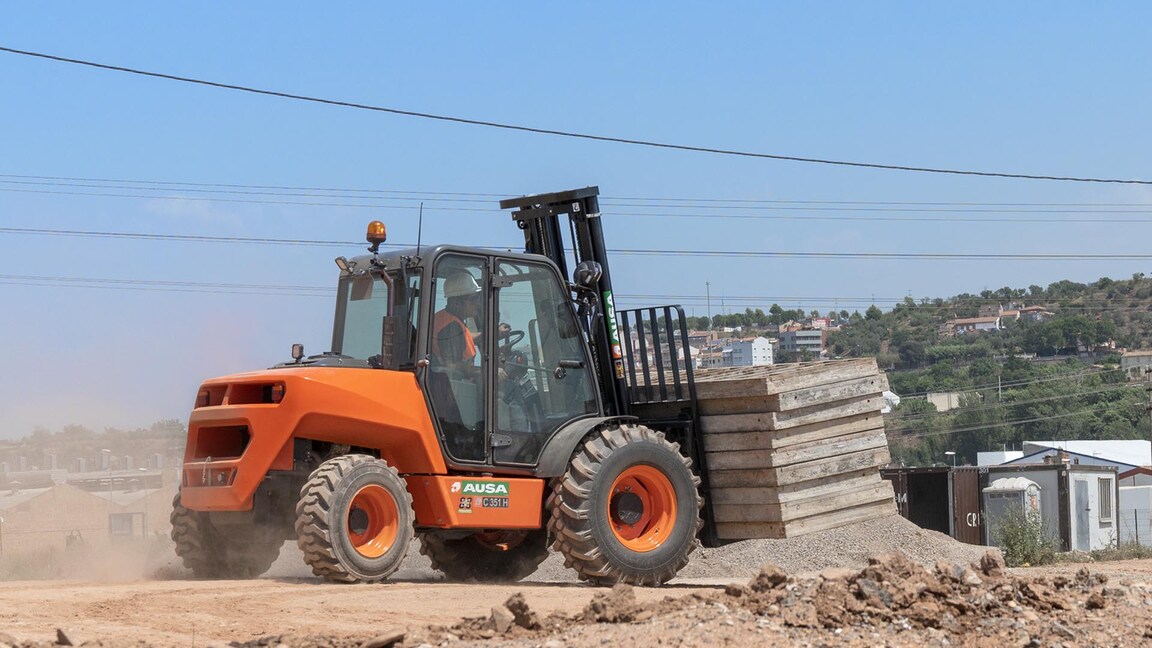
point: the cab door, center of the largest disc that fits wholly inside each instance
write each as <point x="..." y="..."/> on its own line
<point x="458" y="359"/>
<point x="542" y="370"/>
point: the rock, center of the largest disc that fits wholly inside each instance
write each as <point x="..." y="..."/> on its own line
<point x="502" y="619"/>
<point x="524" y="616"/>
<point x="617" y="606"/>
<point x="969" y="577"/>
<point x="873" y="593"/>
<point x="386" y="639"/>
<point x="735" y="590"/>
<point x="992" y="564"/>
<point x="66" y="638"/>
<point x="7" y="640"/>
<point x="1095" y="601"/>
<point x="837" y="573"/>
<point x="770" y="577"/>
<point x="1062" y="630"/>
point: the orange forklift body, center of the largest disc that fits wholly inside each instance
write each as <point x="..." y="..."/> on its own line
<point x="236" y="436"/>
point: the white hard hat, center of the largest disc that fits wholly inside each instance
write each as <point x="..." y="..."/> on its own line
<point x="460" y="284"/>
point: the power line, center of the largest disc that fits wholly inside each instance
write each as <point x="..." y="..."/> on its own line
<point x="805" y="210"/>
<point x="1016" y="383"/>
<point x="920" y="256"/>
<point x="166" y="286"/>
<point x="561" y="133"/>
<point x="427" y="195"/>
<point x="990" y="426"/>
<point x="934" y="416"/>
<point x="806" y="213"/>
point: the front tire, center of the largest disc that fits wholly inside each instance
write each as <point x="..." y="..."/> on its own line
<point x="354" y="520"/>
<point x="234" y="551"/>
<point x="627" y="509"/>
<point x="486" y="556"/>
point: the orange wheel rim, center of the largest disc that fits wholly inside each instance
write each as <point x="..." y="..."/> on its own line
<point x="373" y="521"/>
<point x="642" y="508"/>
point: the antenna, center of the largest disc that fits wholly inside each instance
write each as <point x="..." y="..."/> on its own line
<point x="419" y="228"/>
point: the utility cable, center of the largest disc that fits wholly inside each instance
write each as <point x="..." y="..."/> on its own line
<point x="802" y="213"/>
<point x="986" y="407"/>
<point x="934" y="256"/>
<point x="990" y="426"/>
<point x="561" y="133"/>
<point x="604" y="199"/>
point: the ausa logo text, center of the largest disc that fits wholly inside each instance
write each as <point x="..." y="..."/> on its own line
<point x="469" y="487"/>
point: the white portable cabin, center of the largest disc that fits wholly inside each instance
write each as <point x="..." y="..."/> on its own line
<point x="1077" y="502"/>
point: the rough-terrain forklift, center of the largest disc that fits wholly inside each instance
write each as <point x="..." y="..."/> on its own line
<point x="474" y="399"/>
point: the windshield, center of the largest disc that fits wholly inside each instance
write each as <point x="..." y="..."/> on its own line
<point x="361" y="306"/>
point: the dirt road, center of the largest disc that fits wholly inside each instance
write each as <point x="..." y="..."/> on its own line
<point x="895" y="603"/>
<point x="145" y="598"/>
<point x="186" y="612"/>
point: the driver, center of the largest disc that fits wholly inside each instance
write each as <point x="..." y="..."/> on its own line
<point x="452" y="343"/>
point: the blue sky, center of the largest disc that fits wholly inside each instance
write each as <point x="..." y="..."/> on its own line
<point x="1018" y="88"/>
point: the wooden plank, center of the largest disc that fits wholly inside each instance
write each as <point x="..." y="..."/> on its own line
<point x="771" y="439"/>
<point x="739" y="382"/>
<point x="795" y="418"/>
<point x="785" y="512"/>
<point x="803" y="453"/>
<point x="824" y="487"/>
<point x="751" y="530"/>
<point x="758" y="477"/>
<point x="829" y="393"/>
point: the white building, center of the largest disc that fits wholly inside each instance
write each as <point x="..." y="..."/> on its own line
<point x="747" y="352"/>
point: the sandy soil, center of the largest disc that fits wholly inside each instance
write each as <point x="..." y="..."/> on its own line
<point x="187" y="613"/>
<point x="892" y="601"/>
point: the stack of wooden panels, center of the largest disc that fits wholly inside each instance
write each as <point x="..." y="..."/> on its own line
<point x="795" y="448"/>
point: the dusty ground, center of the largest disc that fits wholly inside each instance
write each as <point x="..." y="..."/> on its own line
<point x="892" y="601"/>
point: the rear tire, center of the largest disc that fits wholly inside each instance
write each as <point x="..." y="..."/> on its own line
<point x="354" y="520"/>
<point x="486" y="556"/>
<point x="627" y="509"/>
<point x="237" y="551"/>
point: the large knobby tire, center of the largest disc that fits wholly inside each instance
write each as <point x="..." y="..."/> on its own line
<point x="234" y="551"/>
<point x="354" y="520"/>
<point x="628" y="509"/>
<point x="486" y="556"/>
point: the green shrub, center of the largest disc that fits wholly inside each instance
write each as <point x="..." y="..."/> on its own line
<point x="1024" y="540"/>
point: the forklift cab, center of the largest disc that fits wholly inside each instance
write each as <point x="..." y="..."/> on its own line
<point x="507" y="362"/>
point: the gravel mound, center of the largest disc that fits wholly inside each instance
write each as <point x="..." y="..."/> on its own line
<point x="847" y="547"/>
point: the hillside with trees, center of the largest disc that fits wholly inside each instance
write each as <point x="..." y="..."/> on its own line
<point x="1054" y="379"/>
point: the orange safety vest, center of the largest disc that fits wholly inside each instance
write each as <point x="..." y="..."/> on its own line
<point x="442" y="319"/>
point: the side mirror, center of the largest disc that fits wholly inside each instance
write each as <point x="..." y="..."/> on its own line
<point x="587" y="273"/>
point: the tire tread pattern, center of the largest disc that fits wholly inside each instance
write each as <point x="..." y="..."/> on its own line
<point x="314" y="513"/>
<point x="571" y="517"/>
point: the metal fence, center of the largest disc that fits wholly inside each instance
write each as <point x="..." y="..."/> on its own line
<point x="1135" y="527"/>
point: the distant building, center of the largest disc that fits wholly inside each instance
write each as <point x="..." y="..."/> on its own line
<point x="997" y="457"/>
<point x="1035" y="314"/>
<point x="971" y="325"/>
<point x="1135" y="363"/>
<point x="747" y="352"/>
<point x="811" y="340"/>
<point x="944" y="401"/>
<point x="1124" y="455"/>
<point x="1015" y="312"/>
<point x="820" y="323"/>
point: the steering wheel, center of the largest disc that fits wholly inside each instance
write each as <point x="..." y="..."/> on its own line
<point x="512" y="338"/>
